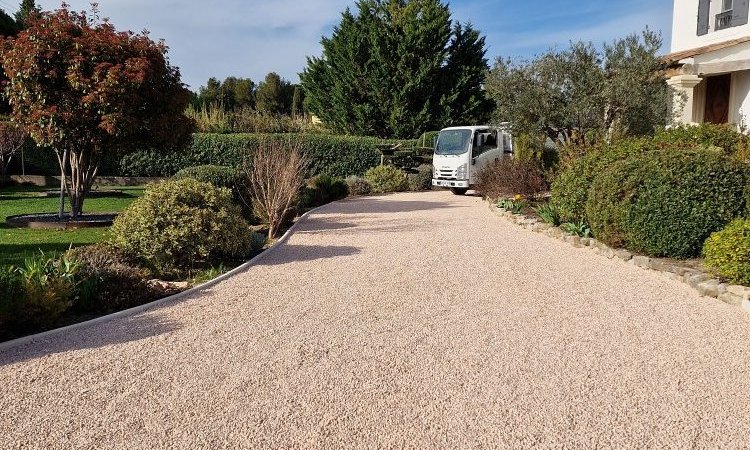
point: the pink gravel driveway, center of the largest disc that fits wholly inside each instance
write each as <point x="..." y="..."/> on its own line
<point x="411" y="320"/>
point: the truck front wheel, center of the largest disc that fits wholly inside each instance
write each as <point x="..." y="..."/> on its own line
<point x="459" y="191"/>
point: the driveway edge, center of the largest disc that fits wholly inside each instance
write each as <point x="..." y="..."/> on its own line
<point x="702" y="282"/>
<point x="145" y="307"/>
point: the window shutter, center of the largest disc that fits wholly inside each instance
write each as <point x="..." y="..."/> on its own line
<point x="739" y="12"/>
<point x="704" y="10"/>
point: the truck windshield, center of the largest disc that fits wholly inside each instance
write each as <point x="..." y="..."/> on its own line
<point x="453" y="142"/>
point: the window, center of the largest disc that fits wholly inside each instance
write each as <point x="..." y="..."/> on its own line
<point x="726" y="5"/>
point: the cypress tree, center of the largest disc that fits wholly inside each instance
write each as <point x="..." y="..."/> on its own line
<point x="397" y="68"/>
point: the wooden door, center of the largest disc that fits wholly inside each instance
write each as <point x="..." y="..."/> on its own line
<point x="718" y="89"/>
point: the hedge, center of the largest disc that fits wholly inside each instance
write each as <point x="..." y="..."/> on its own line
<point x="337" y="156"/>
<point x="666" y="203"/>
<point x="334" y="155"/>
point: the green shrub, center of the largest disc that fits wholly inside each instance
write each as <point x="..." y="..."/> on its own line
<point x="571" y="188"/>
<point x="333" y="155"/>
<point x="665" y="203"/>
<point x="386" y="179"/>
<point x="422" y="180"/>
<point x="323" y="189"/>
<point x="109" y="280"/>
<point x="727" y="252"/>
<point x="510" y="176"/>
<point x="706" y="135"/>
<point x="358" y="185"/>
<point x="180" y="222"/>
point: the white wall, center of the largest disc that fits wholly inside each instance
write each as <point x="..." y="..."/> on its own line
<point x="740" y="98"/>
<point x="685" y="26"/>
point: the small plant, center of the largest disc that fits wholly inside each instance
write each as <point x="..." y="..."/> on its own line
<point x="209" y="274"/>
<point x="727" y="252"/>
<point x="514" y="205"/>
<point x="275" y="176"/>
<point x="386" y="179"/>
<point x="579" y="229"/>
<point x="548" y="213"/>
<point x="422" y="180"/>
<point x="323" y="189"/>
<point x="48" y="286"/>
<point x="358" y="185"/>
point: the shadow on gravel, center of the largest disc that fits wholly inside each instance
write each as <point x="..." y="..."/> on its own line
<point x="388" y="205"/>
<point x="292" y="253"/>
<point x="114" y="332"/>
<point x="312" y="225"/>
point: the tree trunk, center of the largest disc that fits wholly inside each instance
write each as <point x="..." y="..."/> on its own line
<point x="83" y="169"/>
<point x="62" y="162"/>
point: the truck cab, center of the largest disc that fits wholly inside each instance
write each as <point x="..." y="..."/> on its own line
<point x="461" y="152"/>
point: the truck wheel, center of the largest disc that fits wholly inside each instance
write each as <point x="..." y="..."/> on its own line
<point x="459" y="191"/>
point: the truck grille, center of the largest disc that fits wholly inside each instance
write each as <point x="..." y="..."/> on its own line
<point x="447" y="173"/>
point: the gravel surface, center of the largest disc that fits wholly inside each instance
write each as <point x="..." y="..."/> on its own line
<point x="411" y="320"/>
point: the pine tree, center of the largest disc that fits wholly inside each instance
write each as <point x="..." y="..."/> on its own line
<point x="27" y="8"/>
<point x="397" y="68"/>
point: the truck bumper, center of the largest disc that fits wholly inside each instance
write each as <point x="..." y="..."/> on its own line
<point x="451" y="183"/>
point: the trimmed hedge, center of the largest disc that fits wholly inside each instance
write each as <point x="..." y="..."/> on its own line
<point x="219" y="176"/>
<point x="706" y="135"/>
<point x="665" y="203"/>
<point x="338" y="156"/>
<point x="571" y="188"/>
<point x="727" y="252"/>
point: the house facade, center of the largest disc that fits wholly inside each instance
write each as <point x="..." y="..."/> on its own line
<point x="710" y="61"/>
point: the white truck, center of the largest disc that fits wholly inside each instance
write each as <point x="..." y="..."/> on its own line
<point x="461" y="152"/>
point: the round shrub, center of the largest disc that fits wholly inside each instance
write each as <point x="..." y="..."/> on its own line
<point x="422" y="180"/>
<point x="323" y="189"/>
<point x="665" y="203"/>
<point x="358" y="185"/>
<point x="727" y="252"/>
<point x="386" y="179"/>
<point x="180" y="222"/>
<point x="570" y="189"/>
<point x="219" y="176"/>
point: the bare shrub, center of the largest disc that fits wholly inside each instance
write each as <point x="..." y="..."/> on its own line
<point x="12" y="138"/>
<point x="511" y="177"/>
<point x="275" y="176"/>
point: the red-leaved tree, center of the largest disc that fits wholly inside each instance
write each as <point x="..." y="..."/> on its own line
<point x="82" y="88"/>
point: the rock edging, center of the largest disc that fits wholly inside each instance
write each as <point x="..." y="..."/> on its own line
<point x="706" y="284"/>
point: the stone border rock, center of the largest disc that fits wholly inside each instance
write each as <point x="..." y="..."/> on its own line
<point x="703" y="282"/>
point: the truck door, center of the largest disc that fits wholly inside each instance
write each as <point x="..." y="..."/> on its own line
<point x="484" y="151"/>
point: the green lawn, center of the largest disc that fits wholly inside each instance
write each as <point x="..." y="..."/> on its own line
<point x="19" y="243"/>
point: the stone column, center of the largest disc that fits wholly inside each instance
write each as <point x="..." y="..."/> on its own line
<point x="684" y="85"/>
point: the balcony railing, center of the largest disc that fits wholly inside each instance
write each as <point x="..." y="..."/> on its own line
<point x="724" y="20"/>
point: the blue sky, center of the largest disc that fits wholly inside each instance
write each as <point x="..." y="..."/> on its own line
<point x="250" y="38"/>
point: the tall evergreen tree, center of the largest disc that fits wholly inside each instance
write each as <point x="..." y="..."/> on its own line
<point x="274" y="95"/>
<point x="27" y="8"/>
<point x="297" y="100"/>
<point x="398" y="68"/>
